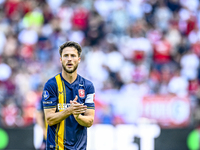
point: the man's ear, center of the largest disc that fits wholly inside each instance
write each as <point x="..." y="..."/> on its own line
<point x="60" y="60"/>
<point x="79" y="60"/>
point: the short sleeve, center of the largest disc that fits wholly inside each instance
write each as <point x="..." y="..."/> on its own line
<point x="50" y="96"/>
<point x="90" y="97"/>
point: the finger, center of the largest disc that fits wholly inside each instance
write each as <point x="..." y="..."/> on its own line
<point x="76" y="109"/>
<point x="73" y="102"/>
<point x="79" y="112"/>
<point x="76" y="98"/>
<point x="76" y="104"/>
<point x="80" y="108"/>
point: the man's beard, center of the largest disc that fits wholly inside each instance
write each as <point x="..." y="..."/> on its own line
<point x="69" y="71"/>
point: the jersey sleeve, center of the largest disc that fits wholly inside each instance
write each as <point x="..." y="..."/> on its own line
<point x="50" y="96"/>
<point x="90" y="97"/>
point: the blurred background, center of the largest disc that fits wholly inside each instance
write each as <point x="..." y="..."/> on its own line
<point x="141" y="55"/>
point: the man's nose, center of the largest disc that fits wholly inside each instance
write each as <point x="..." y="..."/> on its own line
<point x="69" y="58"/>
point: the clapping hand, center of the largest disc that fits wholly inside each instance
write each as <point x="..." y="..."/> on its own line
<point x="77" y="108"/>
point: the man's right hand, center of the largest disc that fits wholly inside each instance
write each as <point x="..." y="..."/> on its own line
<point x="77" y="108"/>
<point x="54" y="117"/>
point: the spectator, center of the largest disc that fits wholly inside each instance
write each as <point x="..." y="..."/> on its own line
<point x="189" y="63"/>
<point x="131" y="48"/>
<point x="178" y="85"/>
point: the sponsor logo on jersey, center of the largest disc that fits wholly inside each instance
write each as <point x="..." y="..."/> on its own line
<point x="60" y="92"/>
<point x="63" y="106"/>
<point x="45" y="95"/>
<point x="47" y="102"/>
<point x="81" y="93"/>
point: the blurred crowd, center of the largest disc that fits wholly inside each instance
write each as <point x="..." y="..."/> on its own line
<point x="131" y="48"/>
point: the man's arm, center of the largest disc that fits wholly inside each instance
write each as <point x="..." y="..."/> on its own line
<point x="87" y="119"/>
<point x="53" y="117"/>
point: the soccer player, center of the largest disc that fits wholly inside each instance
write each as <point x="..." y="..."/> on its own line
<point x="68" y="101"/>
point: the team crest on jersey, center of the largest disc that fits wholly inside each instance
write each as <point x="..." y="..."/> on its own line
<point x="45" y="95"/>
<point x="81" y="93"/>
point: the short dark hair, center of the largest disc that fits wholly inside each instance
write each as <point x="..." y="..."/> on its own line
<point x="70" y="44"/>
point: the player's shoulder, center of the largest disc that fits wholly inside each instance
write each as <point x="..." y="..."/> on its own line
<point x="85" y="81"/>
<point x="51" y="81"/>
<point x="88" y="85"/>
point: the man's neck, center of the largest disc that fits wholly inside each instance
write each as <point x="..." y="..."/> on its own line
<point x="69" y="77"/>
